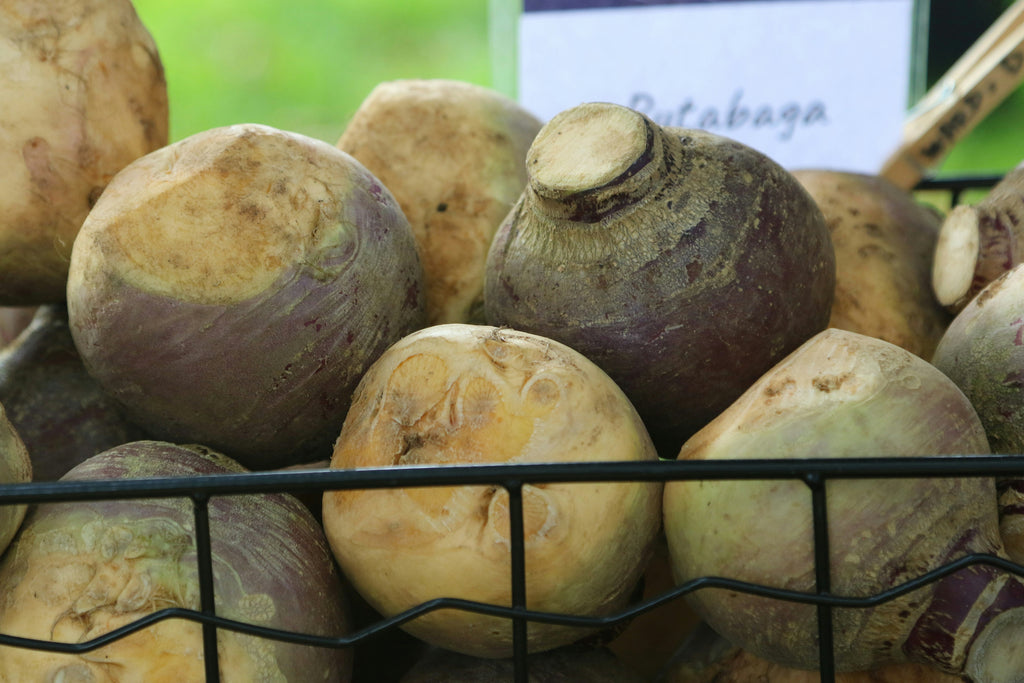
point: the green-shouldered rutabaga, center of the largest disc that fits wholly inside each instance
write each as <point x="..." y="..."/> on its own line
<point x="982" y="351"/>
<point x="82" y="94"/>
<point x="843" y="394"/>
<point x="706" y="657"/>
<point x="231" y="288"/>
<point x="465" y="394"/>
<point x="683" y="263"/>
<point x="80" y="569"/>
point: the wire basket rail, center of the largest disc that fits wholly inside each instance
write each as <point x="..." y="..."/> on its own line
<point x="815" y="473"/>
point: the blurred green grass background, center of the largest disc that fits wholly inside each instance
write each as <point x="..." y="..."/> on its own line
<point x="305" y="65"/>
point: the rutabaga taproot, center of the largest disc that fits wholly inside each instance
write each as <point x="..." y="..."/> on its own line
<point x="465" y="394"/>
<point x="884" y="241"/>
<point x="454" y="156"/>
<point x="683" y="263"/>
<point x="82" y="94"/>
<point x="843" y="394"/>
<point x="80" y="569"/>
<point x="980" y="242"/>
<point x="231" y="288"/>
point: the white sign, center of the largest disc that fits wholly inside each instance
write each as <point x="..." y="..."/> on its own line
<point x="811" y="83"/>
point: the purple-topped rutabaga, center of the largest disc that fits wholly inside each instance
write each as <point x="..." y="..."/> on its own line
<point x="231" y="289"/>
<point x="80" y="569"/>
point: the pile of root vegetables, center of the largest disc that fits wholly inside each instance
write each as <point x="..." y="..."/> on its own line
<point x="455" y="282"/>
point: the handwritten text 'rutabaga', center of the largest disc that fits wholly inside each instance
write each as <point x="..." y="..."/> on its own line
<point x="735" y="115"/>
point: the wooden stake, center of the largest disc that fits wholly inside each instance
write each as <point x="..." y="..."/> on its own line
<point x="983" y="77"/>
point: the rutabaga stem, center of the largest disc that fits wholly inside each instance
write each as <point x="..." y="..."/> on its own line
<point x="594" y="159"/>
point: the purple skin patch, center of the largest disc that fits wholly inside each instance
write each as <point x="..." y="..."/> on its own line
<point x="933" y="638"/>
<point x="267" y="380"/>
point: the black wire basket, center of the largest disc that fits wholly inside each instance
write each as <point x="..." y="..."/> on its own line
<point x="814" y="473"/>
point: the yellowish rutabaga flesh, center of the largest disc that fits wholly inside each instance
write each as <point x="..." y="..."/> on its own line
<point x="454" y="156"/>
<point x="884" y="241"/>
<point x="82" y="94"/>
<point x="468" y="394"/>
<point x="78" y="570"/>
<point x="843" y="394"/>
<point x="980" y="242"/>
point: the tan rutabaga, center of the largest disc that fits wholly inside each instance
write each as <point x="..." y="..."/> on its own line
<point x="454" y="156"/>
<point x="684" y="264"/>
<point x="843" y="394"/>
<point x="474" y="394"/>
<point x="15" y="468"/>
<point x="82" y="94"/>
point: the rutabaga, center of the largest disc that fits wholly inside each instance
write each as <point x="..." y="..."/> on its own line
<point x="81" y="569"/>
<point x="231" y="288"/>
<point x="706" y="657"/>
<point x="840" y="395"/>
<point x="884" y="240"/>
<point x="15" y="468"/>
<point x="982" y="351"/>
<point x="61" y="413"/>
<point x="682" y="263"/>
<point x="980" y="242"/>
